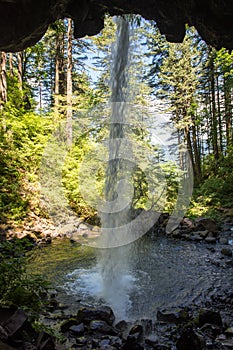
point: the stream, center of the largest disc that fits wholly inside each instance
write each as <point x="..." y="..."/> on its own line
<point x="161" y="273"/>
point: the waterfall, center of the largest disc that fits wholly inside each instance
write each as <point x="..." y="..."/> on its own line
<point x="115" y="214"/>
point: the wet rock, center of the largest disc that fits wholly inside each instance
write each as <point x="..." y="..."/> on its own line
<point x="122" y="325"/>
<point x="176" y="233"/>
<point x="131" y="344"/>
<point x="45" y="342"/>
<point x="103" y="327"/>
<point x="227" y="344"/>
<point x="3" y="334"/>
<point x="15" y="323"/>
<point x="187" y="223"/>
<point x="223" y="240"/>
<point x="202" y="234"/>
<point x="211" y="330"/>
<point x="115" y="341"/>
<point x="210" y="240"/>
<point x="4" y="346"/>
<point x="136" y="329"/>
<point x="77" y="330"/>
<point x="65" y="326"/>
<point x="68" y="229"/>
<point x="81" y="341"/>
<point x="190" y="340"/>
<point x="104" y="342"/>
<point x="210" y="317"/>
<point x="151" y="340"/>
<point x="53" y="304"/>
<point x="196" y="238"/>
<point x="123" y="328"/>
<point x="147" y="325"/>
<point x="206" y="224"/>
<point x="211" y="249"/>
<point x="226" y="251"/>
<point x="83" y="227"/>
<point x="88" y="314"/>
<point x="95" y="342"/>
<point x="106" y="347"/>
<point x="136" y="333"/>
<point x="172" y="316"/>
<point x="229" y="263"/>
<point x="229" y="331"/>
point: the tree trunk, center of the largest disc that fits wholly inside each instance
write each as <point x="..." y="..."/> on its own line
<point x="57" y="76"/>
<point x="228" y="112"/>
<point x="3" y="81"/>
<point x="214" y="111"/>
<point x="189" y="146"/>
<point x="11" y="64"/>
<point x="62" y="68"/>
<point x="20" y="70"/>
<point x="196" y="152"/>
<point x="69" y="112"/>
<point x="40" y="95"/>
<point x="220" y="139"/>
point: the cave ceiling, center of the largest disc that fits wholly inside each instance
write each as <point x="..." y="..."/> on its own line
<point x="23" y="22"/>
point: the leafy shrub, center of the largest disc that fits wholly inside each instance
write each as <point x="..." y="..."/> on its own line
<point x="216" y="190"/>
<point x="17" y="287"/>
<point x="22" y="139"/>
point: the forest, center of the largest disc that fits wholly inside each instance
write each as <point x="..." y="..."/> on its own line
<point x="58" y="92"/>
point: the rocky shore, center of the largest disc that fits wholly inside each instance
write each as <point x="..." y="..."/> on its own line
<point x="207" y="325"/>
<point x="42" y="231"/>
<point x="188" y="328"/>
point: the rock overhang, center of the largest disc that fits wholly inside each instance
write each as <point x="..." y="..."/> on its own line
<point x="23" y="22"/>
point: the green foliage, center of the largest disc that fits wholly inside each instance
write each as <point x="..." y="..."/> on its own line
<point x="17" y="287"/>
<point x="73" y="172"/>
<point x="22" y="139"/>
<point x="216" y="190"/>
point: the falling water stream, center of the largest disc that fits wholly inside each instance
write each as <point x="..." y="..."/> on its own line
<point x="113" y="258"/>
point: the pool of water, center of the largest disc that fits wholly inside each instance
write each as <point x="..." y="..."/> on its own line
<point x="159" y="273"/>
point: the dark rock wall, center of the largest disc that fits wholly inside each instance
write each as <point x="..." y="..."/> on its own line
<point x="23" y="22"/>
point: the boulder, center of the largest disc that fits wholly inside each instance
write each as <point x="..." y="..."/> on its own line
<point x="103" y="327"/>
<point x="3" y="334"/>
<point x="211" y="330"/>
<point x="4" y="346"/>
<point x="187" y="223"/>
<point x="203" y="224"/>
<point x="136" y="333"/>
<point x="77" y="329"/>
<point x="210" y="240"/>
<point x="152" y="340"/>
<point x="210" y="317"/>
<point x="81" y="341"/>
<point x="190" y="340"/>
<point x="45" y="342"/>
<point x="15" y="323"/>
<point x="226" y="251"/>
<point x="65" y="326"/>
<point x="229" y="331"/>
<point x="147" y="325"/>
<point x="132" y="344"/>
<point x="88" y="314"/>
<point x="202" y="234"/>
<point x="172" y="316"/>
<point x="223" y="240"/>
